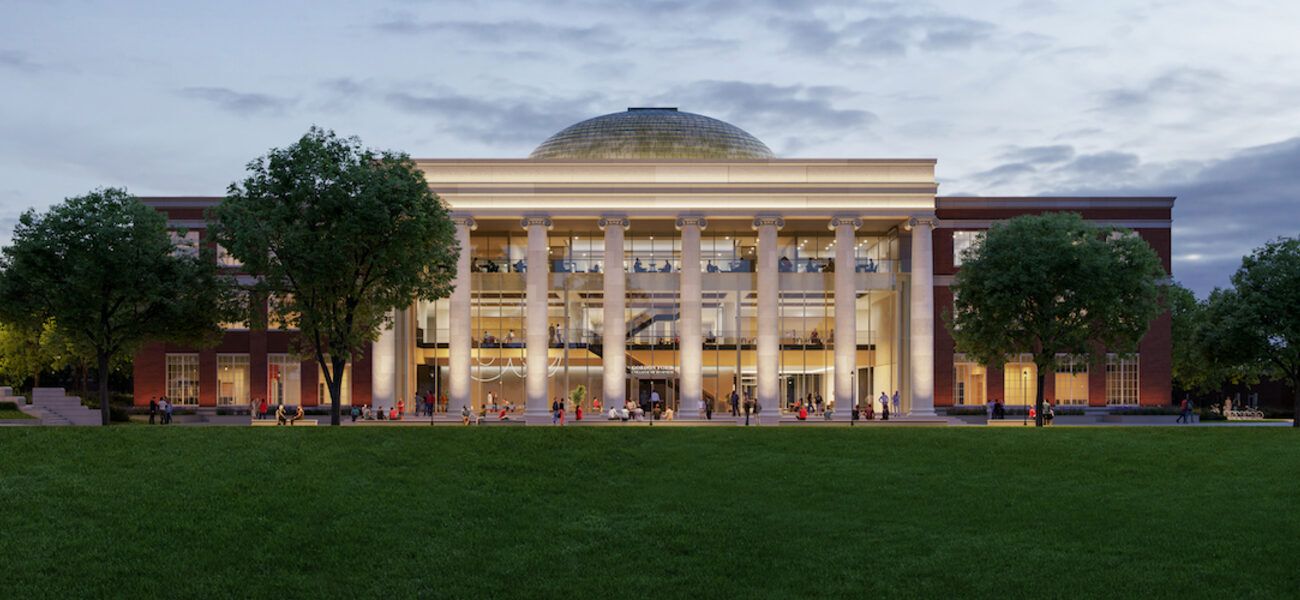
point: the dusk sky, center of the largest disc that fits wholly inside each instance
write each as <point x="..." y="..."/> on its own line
<point x="1189" y="98"/>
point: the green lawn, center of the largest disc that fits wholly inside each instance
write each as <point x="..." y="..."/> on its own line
<point x="601" y="512"/>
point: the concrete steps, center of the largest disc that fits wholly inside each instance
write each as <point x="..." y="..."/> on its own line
<point x="57" y="408"/>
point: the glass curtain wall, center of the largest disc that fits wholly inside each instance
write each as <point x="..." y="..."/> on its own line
<point x="728" y="317"/>
<point x="879" y="341"/>
<point x="653" y="316"/>
<point x="575" y="313"/>
<point x="497" y="320"/>
<point x="807" y="319"/>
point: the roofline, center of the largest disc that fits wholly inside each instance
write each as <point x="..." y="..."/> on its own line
<point x="675" y="161"/>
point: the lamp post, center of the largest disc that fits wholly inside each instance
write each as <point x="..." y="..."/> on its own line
<point x="1024" y="416"/>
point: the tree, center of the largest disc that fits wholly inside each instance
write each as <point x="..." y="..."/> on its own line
<point x="338" y="236"/>
<point x="1256" y="324"/>
<point x="1053" y="284"/>
<point x="103" y="267"/>
<point x="1197" y="363"/>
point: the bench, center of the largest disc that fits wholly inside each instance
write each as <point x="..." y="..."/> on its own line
<point x="304" y="422"/>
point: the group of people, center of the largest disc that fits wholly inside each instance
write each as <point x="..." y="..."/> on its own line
<point x="813" y="404"/>
<point x="160" y="408"/>
<point x="1186" y="408"/>
<point x="426" y="404"/>
<point x="637" y="267"/>
<point x="282" y="416"/>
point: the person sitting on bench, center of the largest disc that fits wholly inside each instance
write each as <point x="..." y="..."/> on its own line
<point x="296" y="415"/>
<point x="279" y="415"/>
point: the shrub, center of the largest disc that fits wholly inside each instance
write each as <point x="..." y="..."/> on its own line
<point x="8" y="406"/>
<point x="118" y="414"/>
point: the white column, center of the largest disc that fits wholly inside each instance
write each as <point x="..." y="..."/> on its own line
<point x="459" y="337"/>
<point x="689" y="332"/>
<point x="846" y="313"/>
<point x="536" y="350"/>
<point x="614" y="336"/>
<point x="769" y="334"/>
<point x="922" y="334"/>
<point x="383" y="367"/>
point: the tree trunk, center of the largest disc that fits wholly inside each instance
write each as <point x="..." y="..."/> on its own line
<point x="1038" y="399"/>
<point x="335" y="385"/>
<point x="103" y="387"/>
<point x="1295" y="387"/>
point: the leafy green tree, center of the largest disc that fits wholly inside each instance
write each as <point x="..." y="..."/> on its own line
<point x="1198" y="365"/>
<point x="24" y="353"/>
<point x="1256" y="324"/>
<point x="338" y="236"/>
<point x="103" y="267"/>
<point x="1053" y="284"/>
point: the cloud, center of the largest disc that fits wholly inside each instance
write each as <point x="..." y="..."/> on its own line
<point x="240" y="103"/>
<point x="18" y="61"/>
<point x="793" y="106"/>
<point x="883" y="36"/>
<point x="506" y="121"/>
<point x="1102" y="163"/>
<point x="1225" y="207"/>
<point x="503" y="33"/>
<point x="1177" y="82"/>
<point x="1004" y="174"/>
<point x="1040" y="154"/>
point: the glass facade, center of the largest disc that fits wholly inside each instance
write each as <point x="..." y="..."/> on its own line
<point x="232" y="379"/>
<point x="1020" y="380"/>
<point x="970" y="381"/>
<point x="1122" y="379"/>
<point x="1071" y="380"/>
<point x="652" y="259"/>
<point x="284" y="380"/>
<point x="183" y="379"/>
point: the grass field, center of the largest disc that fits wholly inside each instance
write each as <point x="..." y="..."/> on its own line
<point x="648" y="512"/>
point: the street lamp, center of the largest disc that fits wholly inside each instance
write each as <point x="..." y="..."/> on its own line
<point x="1024" y="416"/>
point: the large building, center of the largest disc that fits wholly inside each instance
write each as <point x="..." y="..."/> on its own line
<point x="659" y="251"/>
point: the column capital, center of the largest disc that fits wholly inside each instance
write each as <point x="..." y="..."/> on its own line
<point x="530" y="221"/>
<point x="930" y="221"/>
<point x="837" y="222"/>
<point x="613" y="221"/>
<point x="698" y="221"/>
<point x="775" y="221"/>
<point x="464" y="220"/>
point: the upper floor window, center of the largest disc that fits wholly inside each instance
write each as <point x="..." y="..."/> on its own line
<point x="185" y="244"/>
<point x="961" y="240"/>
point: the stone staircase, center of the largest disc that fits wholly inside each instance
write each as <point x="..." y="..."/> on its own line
<point x="57" y="408"/>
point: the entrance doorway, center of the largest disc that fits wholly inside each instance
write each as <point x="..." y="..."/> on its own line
<point x="646" y="387"/>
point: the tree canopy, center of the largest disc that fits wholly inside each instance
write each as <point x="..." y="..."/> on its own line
<point x="1255" y="325"/>
<point x="338" y="237"/>
<point x="104" y="269"/>
<point x="1053" y="284"/>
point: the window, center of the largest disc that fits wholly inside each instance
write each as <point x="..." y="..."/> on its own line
<point x="1071" y="379"/>
<point x="243" y="306"/>
<point x="283" y="379"/>
<point x="1020" y="380"/>
<point x="187" y="244"/>
<point x="232" y="379"/>
<point x="1121" y="379"/>
<point x="272" y="322"/>
<point x="968" y="381"/>
<point x="183" y="379"/>
<point x="323" y="391"/>
<point x="961" y="240"/>
<point x="225" y="259"/>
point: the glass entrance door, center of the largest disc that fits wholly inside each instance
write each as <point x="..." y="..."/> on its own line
<point x="649" y="388"/>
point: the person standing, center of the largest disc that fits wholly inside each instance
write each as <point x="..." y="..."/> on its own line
<point x="748" y="406"/>
<point x="654" y="404"/>
<point x="153" y="409"/>
<point x="401" y="409"/>
<point x="1191" y="410"/>
<point x="735" y="403"/>
<point x="821" y="403"/>
<point x="897" y="406"/>
<point x="884" y="400"/>
<point x="1182" y="414"/>
<point x="708" y="410"/>
<point x="261" y="409"/>
<point x="555" y="411"/>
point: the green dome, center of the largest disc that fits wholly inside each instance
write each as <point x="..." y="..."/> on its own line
<point x="652" y="133"/>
